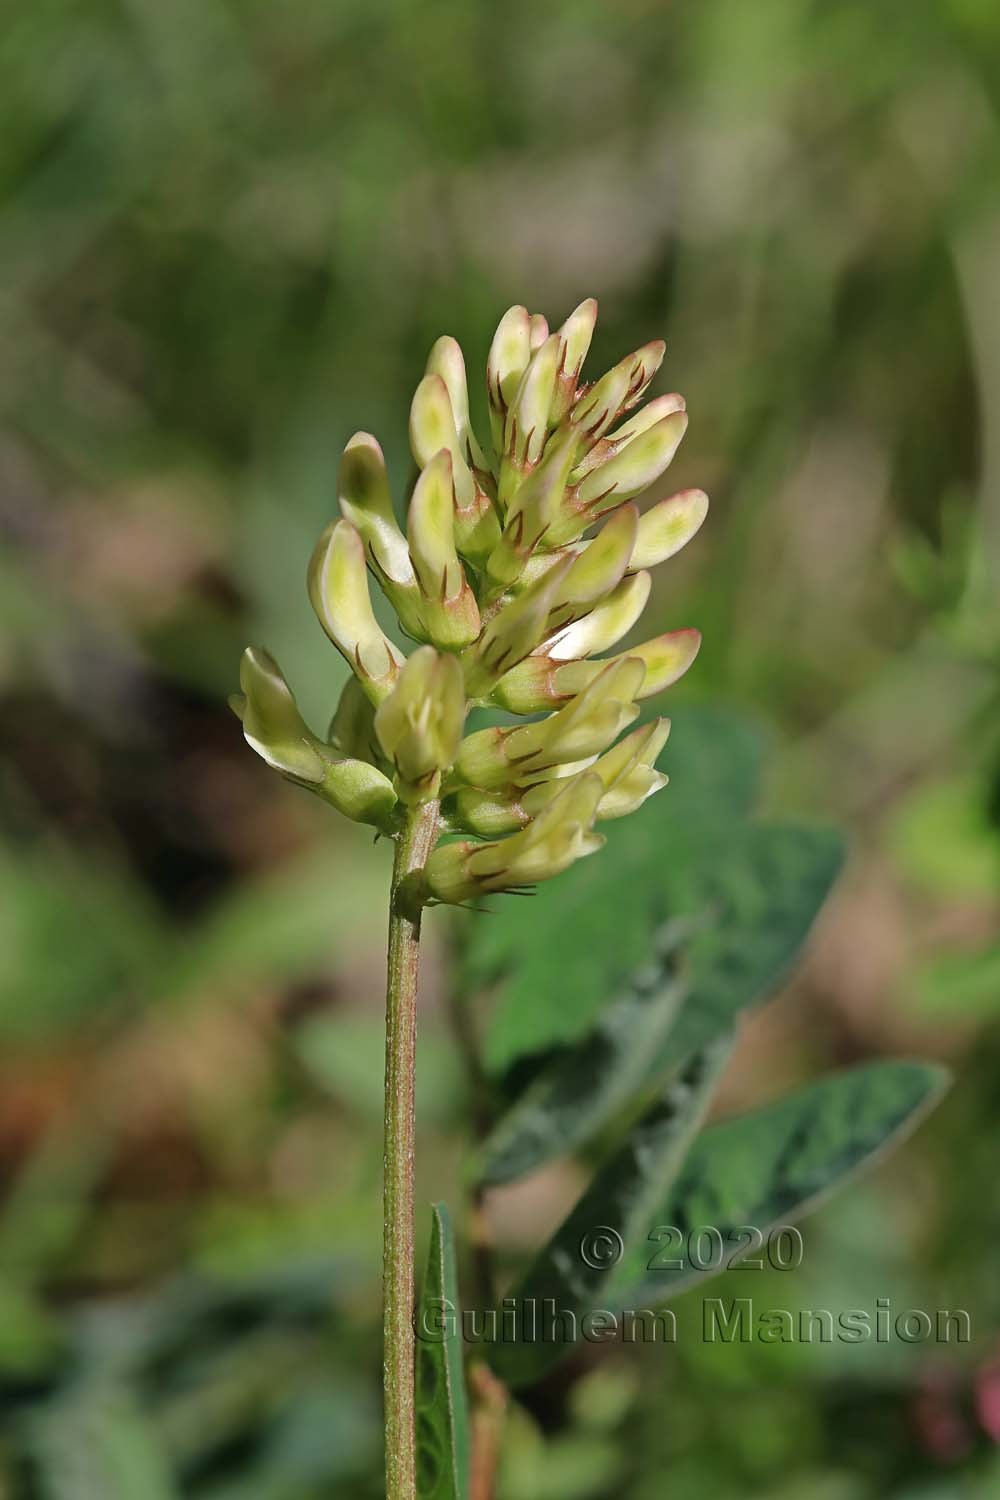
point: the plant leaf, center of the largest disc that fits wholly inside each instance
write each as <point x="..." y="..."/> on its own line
<point x="573" y="1268"/>
<point x="755" y="904"/>
<point x="441" y="1408"/>
<point x="553" y="984"/>
<point x="765" y="1168"/>
<point x="575" y="1094"/>
<point x="760" y="901"/>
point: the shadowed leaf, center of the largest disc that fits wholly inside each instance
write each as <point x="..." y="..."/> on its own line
<point x="553" y="984"/>
<point x="759" y="902"/>
<point x="575" y="1266"/>
<point x="753" y="909"/>
<point x="573" y="1096"/>
<point x="765" y="1168"/>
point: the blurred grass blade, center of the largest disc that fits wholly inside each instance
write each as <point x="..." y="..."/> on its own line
<point x="768" y="1167"/>
<point x="100" y="1448"/>
<point x="442" y="1412"/>
<point x="49" y="1199"/>
<point x="574" y="1267"/>
<point x="577" y="1093"/>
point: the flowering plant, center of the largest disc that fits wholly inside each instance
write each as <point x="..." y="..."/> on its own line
<point x="524" y="559"/>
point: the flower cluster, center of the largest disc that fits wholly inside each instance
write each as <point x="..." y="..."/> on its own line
<point x="521" y="561"/>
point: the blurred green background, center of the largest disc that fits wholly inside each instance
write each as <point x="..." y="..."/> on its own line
<point x="229" y="233"/>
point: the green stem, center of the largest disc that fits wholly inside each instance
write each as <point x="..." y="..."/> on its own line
<point x="413" y="845"/>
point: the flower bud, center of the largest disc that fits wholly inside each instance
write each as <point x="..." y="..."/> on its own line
<point x="575" y="335"/>
<point x="560" y="835"/>
<point x="432" y="421"/>
<point x="632" y="470"/>
<point x="360" y="792"/>
<point x="584" y="727"/>
<point x="489" y="814"/>
<point x="477" y="527"/>
<point x="528" y="688"/>
<point x="668" y="526"/>
<point x="606" y="623"/>
<point x="543" y="562"/>
<point x="273" y="726"/>
<point x="432" y="427"/>
<point x="644" y="364"/>
<point x="666" y="658"/>
<point x="627" y="773"/>
<point x="598" y="567"/>
<point x="630" y="792"/>
<point x="448" y="606"/>
<point x="482" y="760"/>
<point x="644" y="418"/>
<point x="529" y="419"/>
<point x="447" y="360"/>
<point x="539" y="330"/>
<point x="599" y="408"/>
<point x="541" y="682"/>
<point x="507" y="362"/>
<point x="447" y="876"/>
<point x="419" y="725"/>
<point x="534" y="508"/>
<point x="513" y="631"/>
<point x="365" y="501"/>
<point x="338" y="591"/>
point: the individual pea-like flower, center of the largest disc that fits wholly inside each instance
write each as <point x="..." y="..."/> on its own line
<point x="522" y="563"/>
<point x="419" y="726"/>
<point x="274" y="728"/>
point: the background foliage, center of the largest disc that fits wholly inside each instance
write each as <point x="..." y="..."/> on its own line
<point x="229" y="232"/>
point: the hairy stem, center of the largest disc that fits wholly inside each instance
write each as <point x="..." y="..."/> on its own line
<point x="413" y="845"/>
